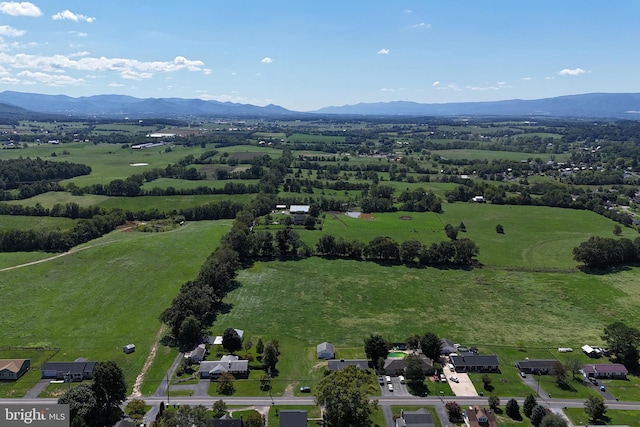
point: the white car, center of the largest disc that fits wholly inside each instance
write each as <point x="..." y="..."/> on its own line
<point x="454" y="379"/>
<point x="390" y="387"/>
<point x="388" y="378"/>
<point x="401" y="378"/>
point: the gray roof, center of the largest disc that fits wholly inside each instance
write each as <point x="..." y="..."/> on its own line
<point x="69" y="367"/>
<point x="325" y="346"/>
<point x="419" y="418"/>
<point x="446" y="346"/>
<point x="474" y="360"/>
<point x="226" y="364"/>
<point x="291" y="418"/>
<point x="339" y="364"/>
<point x="535" y="364"/>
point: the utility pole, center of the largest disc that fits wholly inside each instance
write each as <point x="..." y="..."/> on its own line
<point x="167" y="376"/>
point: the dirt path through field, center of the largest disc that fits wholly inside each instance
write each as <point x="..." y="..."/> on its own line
<point x="40" y="261"/>
<point x="147" y="364"/>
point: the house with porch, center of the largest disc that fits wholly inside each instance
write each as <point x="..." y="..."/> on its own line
<point x="419" y="418"/>
<point x="476" y="416"/>
<point x="604" y="370"/>
<point x="536" y="366"/>
<point x="77" y="370"/>
<point x="340" y="364"/>
<point x="471" y="362"/>
<point x="396" y="365"/>
<point x="230" y="363"/>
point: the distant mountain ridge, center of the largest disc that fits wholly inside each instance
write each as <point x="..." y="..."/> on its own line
<point x="594" y="105"/>
<point x="590" y="105"/>
<point x="123" y="105"/>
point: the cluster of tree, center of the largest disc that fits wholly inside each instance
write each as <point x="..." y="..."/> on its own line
<point x="15" y="172"/>
<point x="60" y="241"/>
<point x="98" y="404"/>
<point x="380" y="198"/>
<point x="196" y="306"/>
<point x="384" y="248"/>
<point x="199" y="415"/>
<point x="344" y="395"/>
<point x="538" y="415"/>
<point x="376" y="347"/>
<point x="623" y="342"/>
<point x="603" y="252"/>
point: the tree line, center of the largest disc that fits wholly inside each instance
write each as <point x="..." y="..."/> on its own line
<point x="14" y="172"/>
<point x="604" y="252"/>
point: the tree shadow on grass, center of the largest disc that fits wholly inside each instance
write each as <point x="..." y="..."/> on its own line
<point x="417" y="388"/>
<point x="489" y="388"/>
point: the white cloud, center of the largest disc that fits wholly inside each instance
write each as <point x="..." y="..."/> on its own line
<point x="15" y="8"/>
<point x="421" y="25"/>
<point x="114" y="84"/>
<point x="497" y="86"/>
<point x="527" y="79"/>
<point x="78" y="34"/>
<point x="408" y="11"/>
<point x="451" y="86"/>
<point x="384" y="89"/>
<point x="57" y="63"/>
<point x="266" y="60"/>
<point x="436" y="83"/>
<point x="68" y="15"/>
<point x="383" y="52"/>
<point x="50" y="79"/>
<point x="135" y="75"/>
<point x="79" y="54"/>
<point x="571" y="72"/>
<point x="8" y="31"/>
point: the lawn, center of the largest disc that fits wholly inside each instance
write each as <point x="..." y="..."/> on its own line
<point x="44" y="223"/>
<point x="613" y="417"/>
<point x="85" y="301"/>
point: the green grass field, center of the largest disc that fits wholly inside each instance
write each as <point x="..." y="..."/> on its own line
<point x="92" y="302"/>
<point x="45" y="223"/>
<point x="495" y="155"/>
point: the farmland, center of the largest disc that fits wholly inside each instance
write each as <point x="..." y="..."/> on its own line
<point x="525" y="290"/>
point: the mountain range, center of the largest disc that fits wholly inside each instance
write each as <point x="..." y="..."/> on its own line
<point x="591" y="105"/>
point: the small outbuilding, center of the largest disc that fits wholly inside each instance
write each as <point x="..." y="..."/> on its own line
<point x="129" y="348"/>
<point x="12" y="369"/>
<point x="325" y="350"/>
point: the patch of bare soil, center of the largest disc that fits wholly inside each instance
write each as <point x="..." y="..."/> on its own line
<point x="367" y="216"/>
<point x="406" y="217"/>
<point x="147" y="364"/>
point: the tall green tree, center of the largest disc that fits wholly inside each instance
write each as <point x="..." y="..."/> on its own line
<point x="594" y="407"/>
<point x="376" y="348"/>
<point x="513" y="409"/>
<point x="82" y="404"/>
<point x="259" y="346"/>
<point x="342" y="395"/>
<point x="231" y="340"/>
<point x="493" y="401"/>
<point x="110" y="388"/>
<point x="559" y="372"/>
<point x="225" y="384"/>
<point x="270" y="358"/>
<point x="413" y="368"/>
<point x="623" y="343"/>
<point x="538" y="413"/>
<point x="529" y="403"/>
<point x="431" y="346"/>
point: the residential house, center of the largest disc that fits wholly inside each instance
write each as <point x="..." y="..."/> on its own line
<point x="419" y="418"/>
<point x="477" y="416"/>
<point x="604" y="370"/>
<point x="470" y="362"/>
<point x="69" y="371"/>
<point x="291" y="418"/>
<point x="12" y="369"/>
<point x="196" y="355"/>
<point x="396" y="365"/>
<point x="299" y="209"/>
<point x="226" y="421"/>
<point x="231" y="364"/>
<point x="299" y="219"/>
<point x="338" y="365"/>
<point x="325" y="350"/>
<point x="536" y="366"/>
<point x="447" y="347"/>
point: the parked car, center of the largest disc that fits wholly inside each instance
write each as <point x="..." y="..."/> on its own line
<point x="380" y="380"/>
<point x="454" y="379"/>
<point x="451" y="367"/>
<point x="523" y="375"/>
<point x="593" y="381"/>
<point x="603" y="388"/>
<point x="390" y="387"/>
<point x="401" y="378"/>
<point x="388" y="378"/>
<point x="443" y="379"/>
<point x="305" y="389"/>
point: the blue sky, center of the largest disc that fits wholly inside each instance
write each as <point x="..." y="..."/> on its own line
<point x="305" y="55"/>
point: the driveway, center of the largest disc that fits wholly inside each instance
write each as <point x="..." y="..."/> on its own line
<point x="464" y="386"/>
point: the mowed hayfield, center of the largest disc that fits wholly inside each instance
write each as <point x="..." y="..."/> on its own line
<point x="535" y="237"/>
<point x="105" y="294"/>
<point x="340" y="301"/>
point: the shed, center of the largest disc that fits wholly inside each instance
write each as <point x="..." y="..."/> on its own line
<point x="325" y="350"/>
<point x="129" y="348"/>
<point x="301" y="209"/>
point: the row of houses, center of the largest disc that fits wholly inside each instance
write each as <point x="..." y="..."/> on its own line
<point x="78" y="370"/>
<point x="590" y="370"/>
